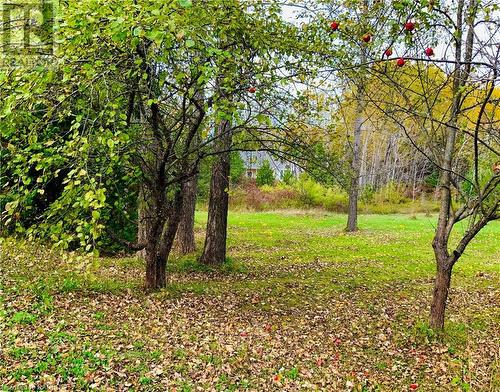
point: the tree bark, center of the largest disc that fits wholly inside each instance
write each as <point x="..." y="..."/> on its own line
<point x="214" y="250"/>
<point x="142" y="222"/>
<point x="185" y="232"/>
<point x="156" y="277"/>
<point x="440" y="295"/>
<point x="160" y="240"/>
<point x="144" y="216"/>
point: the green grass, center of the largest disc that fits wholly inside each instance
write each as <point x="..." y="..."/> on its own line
<point x="387" y="248"/>
<point x="298" y="302"/>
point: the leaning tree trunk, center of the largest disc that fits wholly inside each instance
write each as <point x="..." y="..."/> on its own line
<point x="214" y="250"/>
<point x="185" y="232"/>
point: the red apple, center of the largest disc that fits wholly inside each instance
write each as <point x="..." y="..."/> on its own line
<point x="409" y="26"/>
<point x="367" y="37"/>
<point x="400" y="62"/>
<point x="252" y="90"/>
<point x="413" y="386"/>
<point x="429" y="52"/>
<point x="388" y="52"/>
<point x="334" y="26"/>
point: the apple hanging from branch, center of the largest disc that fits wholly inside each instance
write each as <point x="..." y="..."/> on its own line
<point x="429" y="52"/>
<point x="334" y="25"/>
<point x="409" y="26"/>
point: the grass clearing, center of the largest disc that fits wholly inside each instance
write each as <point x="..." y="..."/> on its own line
<point x="299" y="305"/>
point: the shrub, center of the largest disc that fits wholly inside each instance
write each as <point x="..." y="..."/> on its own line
<point x="336" y="200"/>
<point x="250" y="196"/>
<point x="313" y="194"/>
<point x="307" y="193"/>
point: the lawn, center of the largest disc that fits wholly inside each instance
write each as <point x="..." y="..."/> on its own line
<point x="299" y="305"/>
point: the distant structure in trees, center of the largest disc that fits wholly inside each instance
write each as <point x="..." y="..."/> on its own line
<point x="253" y="161"/>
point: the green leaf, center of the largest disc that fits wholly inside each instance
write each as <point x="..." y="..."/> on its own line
<point x="185" y="3"/>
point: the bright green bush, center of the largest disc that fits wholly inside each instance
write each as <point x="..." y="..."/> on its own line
<point x="313" y="194"/>
<point x="336" y="200"/>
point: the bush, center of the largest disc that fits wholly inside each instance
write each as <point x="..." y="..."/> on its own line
<point x="336" y="200"/>
<point x="313" y="194"/>
<point x="250" y="196"/>
<point x="307" y="193"/>
<point x="391" y="194"/>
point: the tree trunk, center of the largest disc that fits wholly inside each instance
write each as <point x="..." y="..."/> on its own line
<point x="156" y="277"/>
<point x="143" y="217"/>
<point x="160" y="240"/>
<point x="214" y="250"/>
<point x="440" y="296"/>
<point x="352" y="212"/>
<point x="185" y="232"/>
